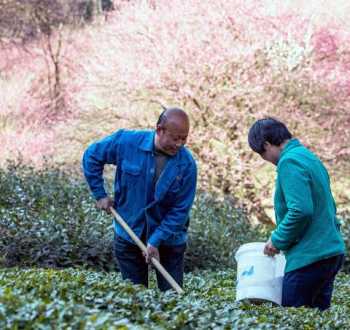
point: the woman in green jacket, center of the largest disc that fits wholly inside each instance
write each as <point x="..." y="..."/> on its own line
<point x="307" y="229"/>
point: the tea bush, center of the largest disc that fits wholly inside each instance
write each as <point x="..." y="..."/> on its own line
<point x="48" y="219"/>
<point x="217" y="229"/>
<point x="345" y="219"/>
<point x="80" y="299"/>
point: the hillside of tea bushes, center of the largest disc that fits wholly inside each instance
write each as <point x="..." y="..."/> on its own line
<point x="48" y="219"/>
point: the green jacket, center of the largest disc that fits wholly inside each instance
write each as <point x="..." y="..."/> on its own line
<point x="307" y="228"/>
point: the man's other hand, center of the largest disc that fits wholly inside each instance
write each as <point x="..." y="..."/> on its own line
<point x="105" y="204"/>
<point x="269" y="249"/>
<point x="152" y="252"/>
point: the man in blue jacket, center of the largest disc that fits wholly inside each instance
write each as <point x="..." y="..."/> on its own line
<point x="154" y="189"/>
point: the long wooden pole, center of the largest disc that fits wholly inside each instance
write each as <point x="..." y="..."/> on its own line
<point x="142" y="246"/>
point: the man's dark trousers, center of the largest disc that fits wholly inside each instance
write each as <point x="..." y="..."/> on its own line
<point x="133" y="266"/>
<point x="312" y="285"/>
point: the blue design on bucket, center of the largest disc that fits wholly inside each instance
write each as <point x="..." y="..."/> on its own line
<point x="248" y="272"/>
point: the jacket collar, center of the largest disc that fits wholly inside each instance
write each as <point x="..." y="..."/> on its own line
<point x="147" y="143"/>
<point x="292" y="144"/>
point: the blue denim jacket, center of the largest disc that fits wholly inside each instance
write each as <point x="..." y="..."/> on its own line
<point x="163" y="211"/>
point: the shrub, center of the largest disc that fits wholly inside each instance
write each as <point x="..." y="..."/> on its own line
<point x="345" y="228"/>
<point x="76" y="299"/>
<point x="217" y="229"/>
<point x="47" y="218"/>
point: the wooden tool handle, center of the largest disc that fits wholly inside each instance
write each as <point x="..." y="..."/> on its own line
<point x="142" y="246"/>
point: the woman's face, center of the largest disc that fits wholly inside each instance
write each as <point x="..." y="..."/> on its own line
<point x="271" y="153"/>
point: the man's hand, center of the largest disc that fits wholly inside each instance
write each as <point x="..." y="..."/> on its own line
<point x="152" y="252"/>
<point x="105" y="204"/>
<point x="269" y="249"/>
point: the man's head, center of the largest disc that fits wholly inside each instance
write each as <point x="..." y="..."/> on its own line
<point x="267" y="137"/>
<point x="172" y="130"/>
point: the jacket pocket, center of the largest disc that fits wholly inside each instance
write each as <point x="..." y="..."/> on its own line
<point x="130" y="168"/>
<point x="130" y="173"/>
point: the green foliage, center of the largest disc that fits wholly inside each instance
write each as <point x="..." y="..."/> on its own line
<point x="217" y="229"/>
<point x="76" y="299"/>
<point x="345" y="228"/>
<point x="48" y="219"/>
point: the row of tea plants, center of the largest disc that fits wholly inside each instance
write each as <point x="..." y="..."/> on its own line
<point x="81" y="299"/>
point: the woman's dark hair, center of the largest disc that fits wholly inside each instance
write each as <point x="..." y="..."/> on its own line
<point x="267" y="130"/>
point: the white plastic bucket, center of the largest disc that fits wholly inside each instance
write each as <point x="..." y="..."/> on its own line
<point x="259" y="277"/>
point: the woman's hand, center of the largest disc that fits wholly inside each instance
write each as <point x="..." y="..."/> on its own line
<point x="270" y="250"/>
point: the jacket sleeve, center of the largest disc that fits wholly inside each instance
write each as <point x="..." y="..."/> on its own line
<point x="177" y="217"/>
<point x="95" y="157"/>
<point x="296" y="188"/>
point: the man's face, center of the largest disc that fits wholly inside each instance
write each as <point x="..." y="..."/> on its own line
<point x="172" y="135"/>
